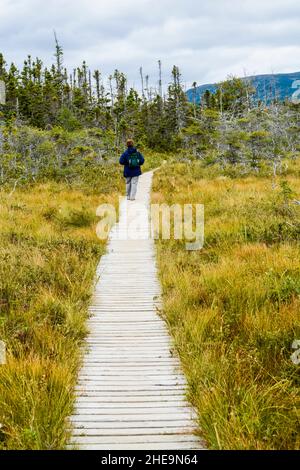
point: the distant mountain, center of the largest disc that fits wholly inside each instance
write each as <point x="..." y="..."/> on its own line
<point x="282" y="85"/>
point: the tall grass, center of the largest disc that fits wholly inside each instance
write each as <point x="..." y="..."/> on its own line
<point x="234" y="307"/>
<point x="48" y="255"/>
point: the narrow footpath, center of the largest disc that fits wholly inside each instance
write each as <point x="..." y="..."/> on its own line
<point x="131" y="390"/>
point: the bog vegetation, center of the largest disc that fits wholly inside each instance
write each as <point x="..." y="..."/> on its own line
<point x="233" y="308"/>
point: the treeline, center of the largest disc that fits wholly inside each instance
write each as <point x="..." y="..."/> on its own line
<point x="46" y="97"/>
<point x="229" y="127"/>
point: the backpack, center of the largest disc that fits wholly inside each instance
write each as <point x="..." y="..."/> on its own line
<point x="134" y="160"/>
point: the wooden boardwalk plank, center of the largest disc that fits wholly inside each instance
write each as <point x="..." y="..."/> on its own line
<point x="131" y="393"/>
<point x="157" y="438"/>
<point x="132" y="431"/>
<point x="142" y="446"/>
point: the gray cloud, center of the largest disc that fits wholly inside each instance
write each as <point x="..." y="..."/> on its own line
<point x="207" y="39"/>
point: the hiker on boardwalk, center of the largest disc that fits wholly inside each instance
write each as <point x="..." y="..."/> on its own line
<point x="132" y="161"/>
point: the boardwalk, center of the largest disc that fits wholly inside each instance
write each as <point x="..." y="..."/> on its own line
<point x="131" y="391"/>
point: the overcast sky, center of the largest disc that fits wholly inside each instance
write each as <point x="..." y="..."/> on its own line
<point x="207" y="39"/>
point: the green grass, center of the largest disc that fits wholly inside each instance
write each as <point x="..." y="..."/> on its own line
<point x="234" y="307"/>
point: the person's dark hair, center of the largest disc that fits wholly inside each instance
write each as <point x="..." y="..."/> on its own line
<point x="129" y="143"/>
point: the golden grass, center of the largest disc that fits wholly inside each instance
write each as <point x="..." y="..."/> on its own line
<point x="234" y="307"/>
<point x="48" y="255"/>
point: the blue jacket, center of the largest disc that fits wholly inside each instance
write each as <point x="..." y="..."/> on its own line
<point x="129" y="172"/>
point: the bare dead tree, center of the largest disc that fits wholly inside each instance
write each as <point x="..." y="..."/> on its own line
<point x="160" y="78"/>
<point x="142" y="82"/>
<point x="195" y="98"/>
<point x="147" y="87"/>
<point x="110" y="78"/>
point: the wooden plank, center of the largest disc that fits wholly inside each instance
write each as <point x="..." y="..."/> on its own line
<point x="126" y="388"/>
<point x="144" y="446"/>
<point x="126" y="343"/>
<point x="120" y="347"/>
<point x="137" y="424"/>
<point x="168" y="404"/>
<point x="129" y="378"/>
<point x="91" y="368"/>
<point x="135" y="432"/>
<point x="122" y="323"/>
<point x="136" y="339"/>
<point x="137" y="411"/>
<point x="131" y="392"/>
<point x="96" y="384"/>
<point x="124" y="358"/>
<point x="121" y="326"/>
<point x="132" y="373"/>
<point x="134" y="394"/>
<point x="146" y="439"/>
<point x="96" y="361"/>
<point x="109" y="418"/>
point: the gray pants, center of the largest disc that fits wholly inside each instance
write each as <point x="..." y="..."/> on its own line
<point x="131" y="186"/>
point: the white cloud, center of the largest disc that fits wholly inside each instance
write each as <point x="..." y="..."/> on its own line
<point x="207" y="39"/>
